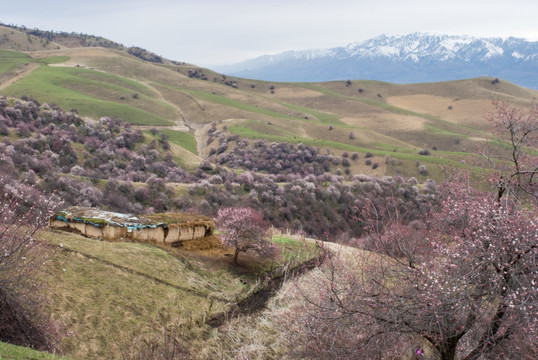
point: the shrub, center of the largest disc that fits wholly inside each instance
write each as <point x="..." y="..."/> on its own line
<point x="422" y="170"/>
<point x="424" y="152"/>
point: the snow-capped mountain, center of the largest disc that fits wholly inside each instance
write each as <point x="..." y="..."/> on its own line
<point x="409" y="58"/>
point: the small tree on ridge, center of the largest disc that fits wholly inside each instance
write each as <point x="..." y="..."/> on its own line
<point x="244" y="229"/>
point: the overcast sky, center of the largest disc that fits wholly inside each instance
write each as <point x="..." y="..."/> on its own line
<point x="216" y="32"/>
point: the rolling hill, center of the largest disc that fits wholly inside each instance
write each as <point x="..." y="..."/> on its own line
<point x="115" y="297"/>
<point x="383" y="117"/>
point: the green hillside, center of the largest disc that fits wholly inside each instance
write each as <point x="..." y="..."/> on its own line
<point x="362" y="116"/>
<point x="211" y="132"/>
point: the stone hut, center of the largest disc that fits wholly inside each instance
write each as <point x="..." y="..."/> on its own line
<point x="169" y="228"/>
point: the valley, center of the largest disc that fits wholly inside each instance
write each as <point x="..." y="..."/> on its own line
<point x="330" y="166"/>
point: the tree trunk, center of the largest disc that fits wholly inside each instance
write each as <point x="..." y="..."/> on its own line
<point x="449" y="354"/>
<point x="447" y="350"/>
<point x="236" y="255"/>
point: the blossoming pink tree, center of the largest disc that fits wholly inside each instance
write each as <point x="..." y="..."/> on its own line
<point x="513" y="153"/>
<point x="470" y="291"/>
<point x="472" y="295"/>
<point x="244" y="229"/>
<point x="23" y="212"/>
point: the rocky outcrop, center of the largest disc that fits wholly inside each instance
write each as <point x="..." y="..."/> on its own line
<point x="170" y="228"/>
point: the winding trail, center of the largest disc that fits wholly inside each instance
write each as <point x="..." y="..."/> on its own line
<point x="181" y="125"/>
<point x="19" y="75"/>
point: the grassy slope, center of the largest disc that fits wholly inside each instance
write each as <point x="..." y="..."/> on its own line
<point x="20" y="41"/>
<point x="183" y="139"/>
<point x="10" y="59"/>
<point x="107" y="294"/>
<point x="93" y="94"/>
<point x="13" y="352"/>
<point x="382" y="116"/>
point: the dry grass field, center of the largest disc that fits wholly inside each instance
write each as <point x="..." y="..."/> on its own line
<point x="108" y="294"/>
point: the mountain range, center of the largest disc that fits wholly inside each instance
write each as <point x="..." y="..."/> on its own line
<point x="417" y="57"/>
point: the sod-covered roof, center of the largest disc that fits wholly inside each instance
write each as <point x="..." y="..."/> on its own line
<point x="100" y="217"/>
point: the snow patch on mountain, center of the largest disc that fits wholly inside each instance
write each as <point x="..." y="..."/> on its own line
<point x="415" y="57"/>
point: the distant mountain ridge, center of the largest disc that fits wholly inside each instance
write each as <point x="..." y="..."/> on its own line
<point x="417" y="57"/>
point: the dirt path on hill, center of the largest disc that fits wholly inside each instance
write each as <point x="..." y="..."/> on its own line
<point x="180" y="122"/>
<point x="198" y="130"/>
<point x="20" y="74"/>
<point x="201" y="138"/>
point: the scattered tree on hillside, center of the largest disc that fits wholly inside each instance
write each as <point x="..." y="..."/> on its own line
<point x="244" y="229"/>
<point x="289" y="183"/>
<point x="23" y="212"/>
<point x="144" y="54"/>
<point x="459" y="284"/>
<point x="423" y="170"/>
<point x="424" y="152"/>
<point x="469" y="293"/>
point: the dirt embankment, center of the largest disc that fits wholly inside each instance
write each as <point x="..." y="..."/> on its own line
<point x="268" y="284"/>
